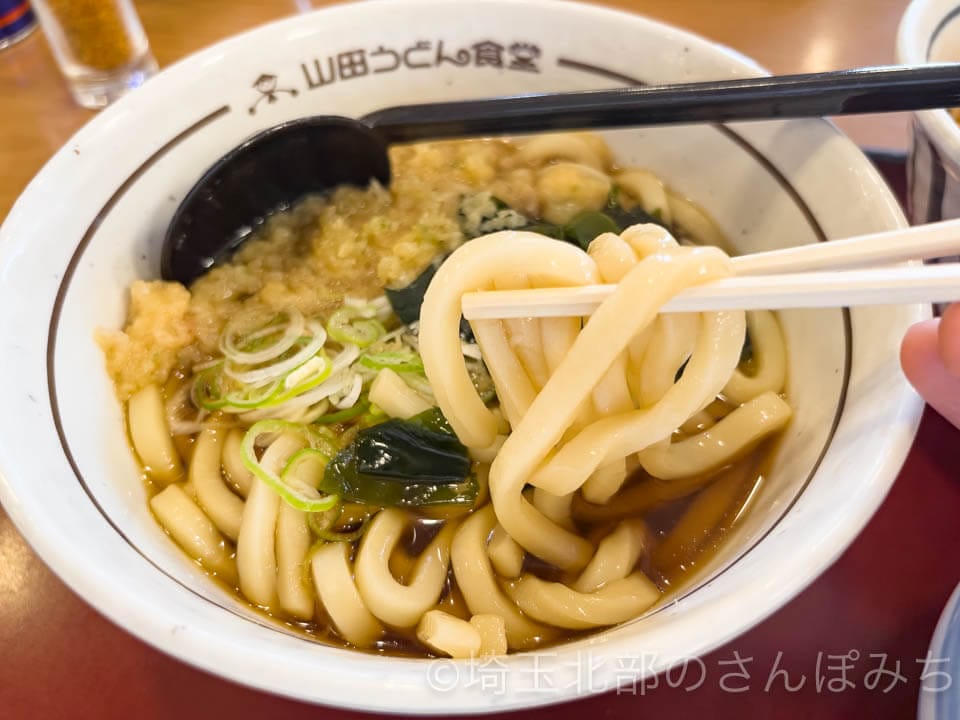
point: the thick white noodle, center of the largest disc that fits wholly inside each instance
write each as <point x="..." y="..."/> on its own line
<point x="256" y="544"/>
<point x="523" y="334"/>
<point x="150" y="434"/>
<point x="193" y="531"/>
<point x="396" y="603"/>
<point x="479" y="585"/>
<point x="648" y="190"/>
<point x="234" y="469"/>
<point x="713" y="359"/>
<point x="565" y="146"/>
<point x="560" y="606"/>
<point x="493" y="634"/>
<point x="504" y="553"/>
<point x="674" y="337"/>
<point x="473" y="267"/>
<point x="719" y="445"/>
<point x="769" y="360"/>
<point x="633" y="305"/>
<point x="605" y="482"/>
<point x="515" y="391"/>
<point x="486" y="455"/>
<point x="294" y="538"/>
<point x="616" y="556"/>
<point x="602" y="344"/>
<point x="217" y="500"/>
<point x="586" y="402"/>
<point x="566" y="189"/>
<point x="449" y="635"/>
<point x="556" y="508"/>
<point x="333" y="581"/>
<point x="558" y="336"/>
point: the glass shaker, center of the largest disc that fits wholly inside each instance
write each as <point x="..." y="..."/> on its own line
<point x="99" y="45"/>
<point x="16" y="21"/>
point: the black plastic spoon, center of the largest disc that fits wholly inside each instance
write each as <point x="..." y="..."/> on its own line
<point x="279" y="165"/>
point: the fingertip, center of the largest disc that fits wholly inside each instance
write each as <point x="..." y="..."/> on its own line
<point x="948" y="341"/>
<point x="919" y="350"/>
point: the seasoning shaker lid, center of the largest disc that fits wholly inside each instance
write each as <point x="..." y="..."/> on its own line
<point x="16" y="21"/>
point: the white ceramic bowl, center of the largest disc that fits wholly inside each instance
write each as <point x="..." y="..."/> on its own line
<point x="92" y="221"/>
<point x="930" y="32"/>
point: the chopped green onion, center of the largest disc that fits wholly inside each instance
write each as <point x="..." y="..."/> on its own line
<point x="310" y="346"/>
<point x="347" y="325"/>
<point x="347" y="397"/>
<point x="207" y="391"/>
<point x="213" y="390"/>
<point x="323" y="521"/>
<point x="323" y="439"/>
<point x="252" y="397"/>
<point x="343" y="415"/>
<point x="253" y="347"/>
<point x="398" y="360"/>
<point x="418" y="383"/>
<point x="378" y="307"/>
<point x="374" y="416"/>
<point x="321" y="525"/>
<point x="306" y="467"/>
<point x="297" y="484"/>
<point x="306" y="377"/>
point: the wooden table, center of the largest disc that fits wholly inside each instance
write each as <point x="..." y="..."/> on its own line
<point x="59" y="658"/>
<point x="784" y="35"/>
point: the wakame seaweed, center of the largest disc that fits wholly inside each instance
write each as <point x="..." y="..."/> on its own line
<point x="588" y="224"/>
<point x="406" y="301"/>
<point x="410" y="463"/>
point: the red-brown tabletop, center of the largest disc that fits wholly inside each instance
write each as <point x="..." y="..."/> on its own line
<point x="851" y="646"/>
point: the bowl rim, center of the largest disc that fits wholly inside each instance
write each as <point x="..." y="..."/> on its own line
<point x="157" y="633"/>
<point x="913" y="46"/>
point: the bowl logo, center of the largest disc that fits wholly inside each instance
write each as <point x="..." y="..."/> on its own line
<point x="266" y="85"/>
<point x="521" y="56"/>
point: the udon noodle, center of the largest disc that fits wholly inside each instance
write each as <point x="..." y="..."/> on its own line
<point x="375" y="473"/>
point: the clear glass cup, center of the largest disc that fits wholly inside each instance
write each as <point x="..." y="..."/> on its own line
<point x="100" y="46"/>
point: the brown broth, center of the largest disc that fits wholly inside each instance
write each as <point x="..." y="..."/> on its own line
<point x="688" y="521"/>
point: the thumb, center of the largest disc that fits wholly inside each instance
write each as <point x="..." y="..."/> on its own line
<point x="923" y="365"/>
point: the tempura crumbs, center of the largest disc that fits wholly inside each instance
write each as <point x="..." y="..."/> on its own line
<point x="158" y="329"/>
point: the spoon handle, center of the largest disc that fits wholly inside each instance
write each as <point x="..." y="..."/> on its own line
<point x="842" y="92"/>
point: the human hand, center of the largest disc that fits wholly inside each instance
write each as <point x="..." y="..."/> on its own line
<point x="930" y="356"/>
